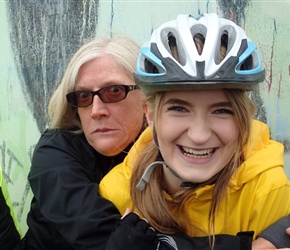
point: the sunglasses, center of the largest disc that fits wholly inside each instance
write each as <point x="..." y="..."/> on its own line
<point x="109" y="94"/>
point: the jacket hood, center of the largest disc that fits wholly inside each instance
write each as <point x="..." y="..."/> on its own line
<point x="138" y="146"/>
<point x="261" y="154"/>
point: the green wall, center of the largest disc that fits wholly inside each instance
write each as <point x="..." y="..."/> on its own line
<point x="38" y="37"/>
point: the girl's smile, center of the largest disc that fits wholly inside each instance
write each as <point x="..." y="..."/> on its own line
<point x="198" y="154"/>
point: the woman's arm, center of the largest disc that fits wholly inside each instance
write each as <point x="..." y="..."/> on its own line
<point x="67" y="211"/>
<point x="135" y="233"/>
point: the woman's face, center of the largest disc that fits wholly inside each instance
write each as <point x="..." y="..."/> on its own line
<point x="197" y="134"/>
<point x="109" y="127"/>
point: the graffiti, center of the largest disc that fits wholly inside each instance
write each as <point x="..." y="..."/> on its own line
<point x="270" y="69"/>
<point x="112" y="18"/>
<point x="11" y="164"/>
<point x="234" y="10"/>
<point x="280" y="129"/>
<point x="44" y="34"/>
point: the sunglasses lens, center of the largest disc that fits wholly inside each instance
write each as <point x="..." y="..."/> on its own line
<point x="79" y="99"/>
<point x="84" y="98"/>
<point x="112" y="94"/>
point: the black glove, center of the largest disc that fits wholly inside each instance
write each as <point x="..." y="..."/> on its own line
<point x="132" y="233"/>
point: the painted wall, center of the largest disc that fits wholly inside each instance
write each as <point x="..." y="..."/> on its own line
<point x="39" y="36"/>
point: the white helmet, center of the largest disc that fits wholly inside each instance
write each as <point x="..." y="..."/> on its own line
<point x="170" y="60"/>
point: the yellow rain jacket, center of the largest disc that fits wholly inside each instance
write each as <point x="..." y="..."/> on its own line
<point x="257" y="196"/>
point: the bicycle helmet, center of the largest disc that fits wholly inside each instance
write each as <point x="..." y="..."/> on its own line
<point x="172" y="61"/>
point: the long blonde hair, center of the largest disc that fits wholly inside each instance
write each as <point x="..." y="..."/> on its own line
<point x="152" y="202"/>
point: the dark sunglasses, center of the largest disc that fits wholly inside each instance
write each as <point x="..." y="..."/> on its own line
<point x="109" y="94"/>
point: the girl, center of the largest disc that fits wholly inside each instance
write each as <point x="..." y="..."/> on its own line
<point x="211" y="169"/>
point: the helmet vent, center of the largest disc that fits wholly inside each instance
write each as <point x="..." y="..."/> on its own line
<point x="173" y="46"/>
<point x="223" y="46"/>
<point x="199" y="42"/>
<point x="150" y="67"/>
<point x="248" y="64"/>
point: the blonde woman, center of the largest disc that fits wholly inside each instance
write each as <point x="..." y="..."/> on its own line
<point x="96" y="115"/>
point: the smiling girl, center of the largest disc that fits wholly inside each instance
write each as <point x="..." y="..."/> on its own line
<point x="210" y="168"/>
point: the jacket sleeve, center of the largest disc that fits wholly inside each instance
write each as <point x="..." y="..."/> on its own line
<point x="276" y="233"/>
<point x="67" y="211"/>
<point x="134" y="233"/>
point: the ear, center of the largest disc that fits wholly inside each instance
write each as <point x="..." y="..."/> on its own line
<point x="149" y="114"/>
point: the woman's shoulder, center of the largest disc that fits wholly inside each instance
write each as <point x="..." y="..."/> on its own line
<point x="61" y="138"/>
<point x="60" y="134"/>
<point x="61" y="147"/>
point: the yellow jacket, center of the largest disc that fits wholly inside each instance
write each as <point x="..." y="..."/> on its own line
<point x="257" y="196"/>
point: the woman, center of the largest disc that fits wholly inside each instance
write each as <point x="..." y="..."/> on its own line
<point x="211" y="169"/>
<point x="96" y="115"/>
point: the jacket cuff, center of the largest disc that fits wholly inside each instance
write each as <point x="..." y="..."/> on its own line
<point x="276" y="233"/>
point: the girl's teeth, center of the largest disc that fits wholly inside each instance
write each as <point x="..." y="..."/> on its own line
<point x="197" y="153"/>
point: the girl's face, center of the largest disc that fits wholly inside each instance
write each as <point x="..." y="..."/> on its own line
<point x="197" y="134"/>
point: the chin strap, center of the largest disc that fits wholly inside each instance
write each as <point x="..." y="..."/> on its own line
<point x="184" y="184"/>
<point x="148" y="171"/>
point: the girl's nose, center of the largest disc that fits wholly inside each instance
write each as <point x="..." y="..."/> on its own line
<point x="199" y="131"/>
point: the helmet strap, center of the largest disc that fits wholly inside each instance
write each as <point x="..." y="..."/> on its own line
<point x="184" y="184"/>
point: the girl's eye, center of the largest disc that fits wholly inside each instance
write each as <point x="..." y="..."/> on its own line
<point x="177" y="108"/>
<point x="224" y="111"/>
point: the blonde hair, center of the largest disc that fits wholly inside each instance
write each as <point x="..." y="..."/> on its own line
<point x="122" y="49"/>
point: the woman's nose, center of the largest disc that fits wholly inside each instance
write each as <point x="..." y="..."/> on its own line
<point x="99" y="109"/>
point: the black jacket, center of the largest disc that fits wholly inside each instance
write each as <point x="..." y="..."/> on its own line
<point x="67" y="211"/>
